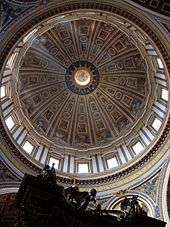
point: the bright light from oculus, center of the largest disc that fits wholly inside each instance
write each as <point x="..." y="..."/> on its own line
<point x="55" y="161"/>
<point x="82" y="77"/>
<point x="83" y="168"/>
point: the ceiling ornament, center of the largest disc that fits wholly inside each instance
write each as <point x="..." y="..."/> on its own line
<point x="118" y="119"/>
<point x="158" y="6"/>
<point x="82" y="77"/>
<point x="80" y="116"/>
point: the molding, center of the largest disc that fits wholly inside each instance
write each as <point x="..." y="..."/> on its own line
<point x="147" y="10"/>
<point x="8" y="190"/>
<point x="9" y="165"/>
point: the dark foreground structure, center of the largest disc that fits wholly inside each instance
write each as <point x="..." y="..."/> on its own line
<point x="43" y="203"/>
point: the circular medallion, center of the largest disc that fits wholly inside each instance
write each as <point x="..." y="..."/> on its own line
<point x="82" y="77"/>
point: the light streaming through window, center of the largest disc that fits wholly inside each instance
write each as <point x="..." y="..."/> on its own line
<point x="28" y="147"/>
<point x="10" y="123"/>
<point x="112" y="162"/>
<point x="3" y="93"/>
<point x="156" y="124"/>
<point x="83" y="168"/>
<point x="160" y="64"/>
<point x="164" y="94"/>
<point x="55" y="161"/>
<point x="138" y="147"/>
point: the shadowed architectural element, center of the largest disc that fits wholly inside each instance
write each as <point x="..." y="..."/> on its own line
<point x="8" y="211"/>
<point x="42" y="202"/>
<point x="7" y="178"/>
<point x="168" y="197"/>
<point x="159" y="6"/>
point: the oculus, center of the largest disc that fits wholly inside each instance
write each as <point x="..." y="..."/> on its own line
<point x="82" y="77"/>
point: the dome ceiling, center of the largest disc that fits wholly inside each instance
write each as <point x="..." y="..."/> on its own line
<point x="87" y="90"/>
<point x="83" y="84"/>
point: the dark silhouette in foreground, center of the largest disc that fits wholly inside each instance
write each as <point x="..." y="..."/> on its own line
<point x="44" y="203"/>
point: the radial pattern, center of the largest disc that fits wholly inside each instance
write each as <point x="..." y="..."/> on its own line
<point x="83" y="84"/>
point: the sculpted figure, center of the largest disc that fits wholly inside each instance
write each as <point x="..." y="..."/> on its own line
<point x="78" y="199"/>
